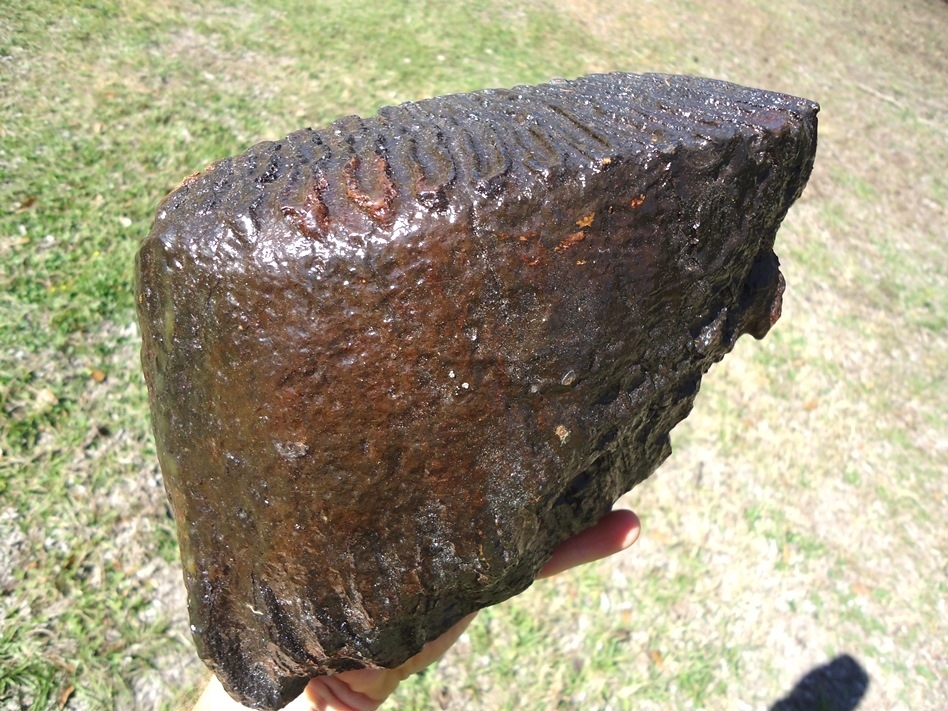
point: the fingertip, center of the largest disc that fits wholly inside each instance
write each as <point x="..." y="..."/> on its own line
<point x="629" y="521"/>
<point x="619" y="529"/>
<point x="614" y="532"/>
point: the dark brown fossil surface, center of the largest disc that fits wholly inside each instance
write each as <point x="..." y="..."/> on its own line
<point x="393" y="362"/>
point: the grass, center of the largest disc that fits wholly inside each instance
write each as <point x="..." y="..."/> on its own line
<point x="800" y="516"/>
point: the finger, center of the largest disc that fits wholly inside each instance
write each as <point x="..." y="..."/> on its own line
<point x="616" y="531"/>
<point x="330" y="693"/>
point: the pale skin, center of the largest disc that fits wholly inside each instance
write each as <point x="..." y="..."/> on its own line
<point x="366" y="689"/>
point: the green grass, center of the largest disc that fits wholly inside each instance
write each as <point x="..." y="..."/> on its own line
<point x="815" y="458"/>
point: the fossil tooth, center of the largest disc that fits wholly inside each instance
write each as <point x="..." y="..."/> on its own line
<point x="393" y="362"/>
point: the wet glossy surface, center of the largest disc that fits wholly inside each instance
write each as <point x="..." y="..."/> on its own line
<point x="393" y="362"/>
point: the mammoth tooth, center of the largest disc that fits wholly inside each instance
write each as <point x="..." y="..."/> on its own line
<point x="394" y="362"/>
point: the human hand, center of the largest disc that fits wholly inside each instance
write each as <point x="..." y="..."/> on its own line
<point x="366" y="689"/>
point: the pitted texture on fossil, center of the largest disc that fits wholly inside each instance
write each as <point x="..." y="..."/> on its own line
<point x="393" y="362"/>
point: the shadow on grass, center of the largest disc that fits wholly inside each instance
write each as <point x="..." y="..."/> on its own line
<point x="837" y="686"/>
